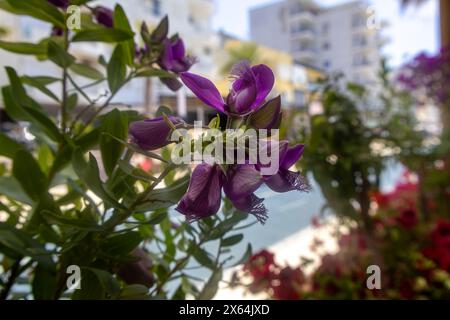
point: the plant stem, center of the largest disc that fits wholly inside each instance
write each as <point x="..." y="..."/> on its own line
<point x="106" y="104"/>
<point x="64" y="86"/>
<point x="15" y="272"/>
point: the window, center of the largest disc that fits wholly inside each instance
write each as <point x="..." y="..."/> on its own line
<point x="299" y="98"/>
<point x="359" y="40"/>
<point x="156" y="7"/>
<point x="326" y="46"/>
<point x="360" y="59"/>
<point x="358" y="20"/>
<point x="326" y="64"/>
<point x="207" y="51"/>
<point x="325" y="28"/>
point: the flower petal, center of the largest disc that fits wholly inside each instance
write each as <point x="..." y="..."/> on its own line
<point x="265" y="79"/>
<point x="286" y="180"/>
<point x="204" y="89"/>
<point x="178" y="49"/>
<point x="292" y="156"/>
<point x="203" y="197"/>
<point x="242" y="180"/>
<point x="251" y="204"/>
<point x="151" y="134"/>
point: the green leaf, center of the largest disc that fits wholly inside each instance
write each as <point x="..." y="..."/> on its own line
<point x="29" y="175"/>
<point x="86" y="71"/>
<point x="211" y="286"/>
<point x="117" y="70"/>
<point x="122" y="244"/>
<point x="60" y="219"/>
<point x="161" y="31"/>
<point x="231" y="241"/>
<point x="58" y="55"/>
<point x="44" y="283"/>
<point x="89" y="174"/>
<point x="115" y="124"/>
<point x="202" y="257"/>
<point x="11" y="188"/>
<point x="43" y="80"/>
<point x="45" y="124"/>
<point x="96" y="284"/>
<point x="135" y="172"/>
<point x="20" y="244"/>
<point x="165" y="197"/>
<point x="152" y="72"/>
<point x="110" y="35"/>
<point x="107" y="281"/>
<point x="121" y="22"/>
<point x="246" y="256"/>
<point x="24" y="48"/>
<point x="8" y="146"/>
<point x="134" y="292"/>
<point x="34" y="82"/>
<point x="39" y="9"/>
<point x="268" y="115"/>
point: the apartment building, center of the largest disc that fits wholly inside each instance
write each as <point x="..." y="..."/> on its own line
<point x="191" y="19"/>
<point x="337" y="39"/>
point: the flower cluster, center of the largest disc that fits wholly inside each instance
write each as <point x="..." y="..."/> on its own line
<point x="245" y="102"/>
<point x="439" y="249"/>
<point x="283" y="283"/>
<point x="169" y="53"/>
<point x="429" y="75"/>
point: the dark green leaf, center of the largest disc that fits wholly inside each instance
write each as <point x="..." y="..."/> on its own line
<point x="211" y="286"/>
<point x="202" y="257"/>
<point x="152" y="72"/>
<point x="115" y="124"/>
<point x="45" y="124"/>
<point x="44" y="283"/>
<point x="231" y="241"/>
<point x="29" y="175"/>
<point x="103" y="35"/>
<point x="117" y="70"/>
<point x="8" y="146"/>
<point x="121" y="22"/>
<point x="11" y="188"/>
<point x="39" y="9"/>
<point x="89" y="174"/>
<point x="34" y="82"/>
<point x="246" y="256"/>
<point x="122" y="244"/>
<point x="161" y="31"/>
<point x="58" y="55"/>
<point x="86" y="71"/>
<point x="24" y="48"/>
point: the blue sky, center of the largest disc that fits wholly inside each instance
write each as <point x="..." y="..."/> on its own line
<point x="408" y="32"/>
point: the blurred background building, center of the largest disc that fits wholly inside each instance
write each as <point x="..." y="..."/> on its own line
<point x="192" y="19"/>
<point x="336" y="39"/>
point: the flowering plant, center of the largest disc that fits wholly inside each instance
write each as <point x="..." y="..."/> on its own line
<point x="78" y="217"/>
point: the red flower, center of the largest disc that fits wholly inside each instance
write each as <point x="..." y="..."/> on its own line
<point x="408" y="219"/>
<point x="439" y="251"/>
<point x="441" y="234"/>
<point x="289" y="283"/>
<point x="261" y="266"/>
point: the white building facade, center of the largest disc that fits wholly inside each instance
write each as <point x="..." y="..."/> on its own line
<point x="335" y="39"/>
<point x="191" y="19"/>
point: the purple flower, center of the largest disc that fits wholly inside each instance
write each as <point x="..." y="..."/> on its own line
<point x="152" y="134"/>
<point x="173" y="56"/>
<point x="285" y="180"/>
<point x="203" y="197"/>
<point x="60" y="3"/>
<point x="57" y="32"/>
<point x="240" y="186"/>
<point x="138" y="272"/>
<point x="104" y="16"/>
<point x="249" y="89"/>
